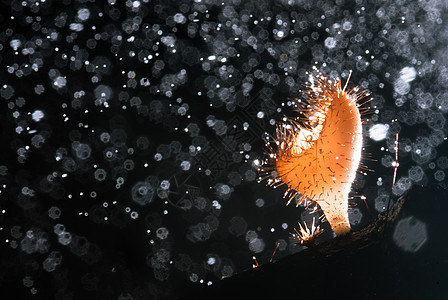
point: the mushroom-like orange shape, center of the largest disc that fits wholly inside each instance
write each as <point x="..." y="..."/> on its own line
<point x="320" y="160"/>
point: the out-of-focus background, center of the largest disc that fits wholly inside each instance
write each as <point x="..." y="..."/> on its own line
<point x="132" y="130"/>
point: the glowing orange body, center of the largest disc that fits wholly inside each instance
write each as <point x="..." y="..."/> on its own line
<point x="325" y="168"/>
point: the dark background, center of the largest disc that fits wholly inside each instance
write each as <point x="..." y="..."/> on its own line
<point x="99" y="85"/>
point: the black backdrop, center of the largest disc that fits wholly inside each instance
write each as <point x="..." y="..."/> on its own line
<point x="130" y="131"/>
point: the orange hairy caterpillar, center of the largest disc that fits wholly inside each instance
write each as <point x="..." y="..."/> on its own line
<point x="317" y="156"/>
